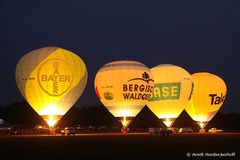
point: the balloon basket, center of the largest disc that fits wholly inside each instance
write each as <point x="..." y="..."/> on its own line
<point x="202" y="131"/>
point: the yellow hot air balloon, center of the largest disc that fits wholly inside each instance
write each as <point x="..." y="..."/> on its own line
<point x="51" y="80"/>
<point x="172" y="90"/>
<point x="208" y="95"/>
<point x="124" y="88"/>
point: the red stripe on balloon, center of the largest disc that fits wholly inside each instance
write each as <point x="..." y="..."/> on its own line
<point x="97" y="93"/>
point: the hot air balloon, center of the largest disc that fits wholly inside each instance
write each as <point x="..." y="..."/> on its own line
<point x="208" y="95"/>
<point x="124" y="88"/>
<point x="172" y="90"/>
<point x="51" y="80"/>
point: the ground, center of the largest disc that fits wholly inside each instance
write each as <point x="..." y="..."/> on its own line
<point x="120" y="146"/>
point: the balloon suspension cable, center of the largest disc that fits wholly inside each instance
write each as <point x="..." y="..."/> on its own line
<point x="51" y="120"/>
<point x="202" y="125"/>
<point x="125" y="122"/>
<point x="168" y="121"/>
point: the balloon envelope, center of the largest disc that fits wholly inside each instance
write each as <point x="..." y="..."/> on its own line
<point x="124" y="87"/>
<point x="208" y="95"/>
<point x="172" y="90"/>
<point x="51" y="80"/>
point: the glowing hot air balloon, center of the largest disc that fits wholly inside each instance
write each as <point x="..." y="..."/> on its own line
<point x="51" y="80"/>
<point x="208" y="95"/>
<point x="124" y="88"/>
<point x="172" y="90"/>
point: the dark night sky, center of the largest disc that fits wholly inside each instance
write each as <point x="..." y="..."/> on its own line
<point x="196" y="35"/>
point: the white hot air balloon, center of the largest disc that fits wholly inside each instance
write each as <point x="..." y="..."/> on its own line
<point x="124" y="88"/>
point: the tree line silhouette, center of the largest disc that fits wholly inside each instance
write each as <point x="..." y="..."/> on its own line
<point x="21" y="113"/>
